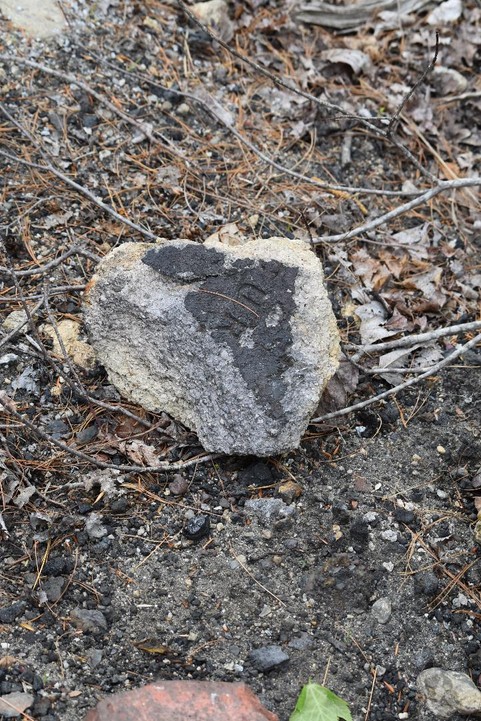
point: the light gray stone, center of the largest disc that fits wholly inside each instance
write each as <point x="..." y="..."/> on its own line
<point x="267" y="658"/>
<point x="38" y="19"/>
<point x="236" y="342"/>
<point x="269" y="509"/>
<point x="381" y="609"/>
<point x="89" y="621"/>
<point x="449" y="692"/>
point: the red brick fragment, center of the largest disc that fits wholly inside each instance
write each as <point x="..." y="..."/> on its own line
<point x="183" y="701"/>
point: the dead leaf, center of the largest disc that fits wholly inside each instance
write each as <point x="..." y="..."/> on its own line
<point x="373" y="317"/>
<point x="357" y="60"/>
<point x="139" y="452"/>
<point x="152" y="645"/>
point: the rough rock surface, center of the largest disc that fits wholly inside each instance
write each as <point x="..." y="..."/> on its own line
<point x="449" y="692"/>
<point x="179" y="700"/>
<point x="235" y="342"/>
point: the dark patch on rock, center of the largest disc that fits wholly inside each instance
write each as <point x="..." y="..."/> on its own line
<point x="237" y="303"/>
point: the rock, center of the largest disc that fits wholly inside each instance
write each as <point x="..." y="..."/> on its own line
<point x="236" y="342"/>
<point x="39" y="20"/>
<point x="449" y="692"/>
<point x="256" y="474"/>
<point x="197" y="527"/>
<point x="89" y="621"/>
<point x="15" y="703"/>
<point x="289" y="490"/>
<point x="17" y="320"/>
<point x="53" y="588"/>
<point x="174" y="700"/>
<point x="179" y="485"/>
<point x="269" y="509"/>
<point x="79" y="351"/>
<point x="381" y="610"/>
<point x="8" y="614"/>
<point x="426" y="583"/>
<point x="303" y="642"/>
<point x="267" y="658"/>
<point x="215" y="13"/>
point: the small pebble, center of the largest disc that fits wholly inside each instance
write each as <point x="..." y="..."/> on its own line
<point x="197" y="527"/>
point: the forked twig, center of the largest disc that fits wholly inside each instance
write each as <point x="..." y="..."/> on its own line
<point x="406" y="384"/>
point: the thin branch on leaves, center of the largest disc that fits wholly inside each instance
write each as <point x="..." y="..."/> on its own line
<point x="415" y="339"/>
<point x="395" y="118"/>
<point x="406" y="384"/>
<point x="215" y="110"/>
<point x="443" y="186"/>
<point x="42" y="269"/>
<point x="163" y="467"/>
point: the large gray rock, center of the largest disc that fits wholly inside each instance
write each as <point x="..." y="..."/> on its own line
<point x="449" y="692"/>
<point x="235" y="342"/>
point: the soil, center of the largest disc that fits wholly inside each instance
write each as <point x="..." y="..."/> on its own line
<point x="354" y="555"/>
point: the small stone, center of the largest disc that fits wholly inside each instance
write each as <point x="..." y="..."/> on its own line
<point x="441" y="450"/>
<point x="359" y="532"/>
<point x="449" y="692"/>
<point x="183" y="109"/>
<point x="10" y="613"/>
<point x="289" y="490"/>
<point x="216" y="14"/>
<point x="89" y="621"/>
<point x="426" y="583"/>
<point x="179" y="485"/>
<point x="303" y="642"/>
<point x="197" y="527"/>
<point x="269" y="510"/>
<point x="381" y="610"/>
<point x="8" y="358"/>
<point x="17" y="319"/>
<point x="267" y="658"/>
<point x="79" y="351"/>
<point x="389" y="535"/>
<point x="53" y="588"/>
<point x="94" y="656"/>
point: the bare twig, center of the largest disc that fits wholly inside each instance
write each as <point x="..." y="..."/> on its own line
<point x="443" y="186"/>
<point x="395" y="118"/>
<point x="380" y="133"/>
<point x="53" y="263"/>
<point x="160" y="468"/>
<point x="396" y="389"/>
<point x="413" y="339"/>
<point x="48" y="167"/>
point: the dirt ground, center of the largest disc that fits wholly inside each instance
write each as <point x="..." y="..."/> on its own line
<point x="354" y="556"/>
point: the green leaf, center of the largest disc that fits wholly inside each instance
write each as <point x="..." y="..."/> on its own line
<point x="317" y="703"/>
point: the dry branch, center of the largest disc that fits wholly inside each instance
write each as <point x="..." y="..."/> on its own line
<point x="406" y="384"/>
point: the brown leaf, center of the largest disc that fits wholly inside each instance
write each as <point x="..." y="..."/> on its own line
<point x="152" y="645"/>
